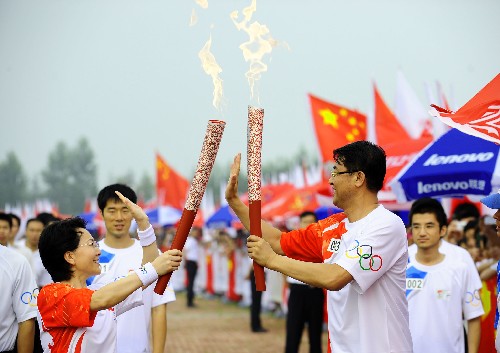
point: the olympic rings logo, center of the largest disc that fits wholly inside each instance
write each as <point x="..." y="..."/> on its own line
<point x="473" y="298"/>
<point x="367" y="260"/>
<point x="29" y="298"/>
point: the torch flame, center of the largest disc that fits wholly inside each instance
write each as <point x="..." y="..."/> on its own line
<point x="203" y="3"/>
<point x="194" y="19"/>
<point x="259" y="44"/>
<point x="213" y="69"/>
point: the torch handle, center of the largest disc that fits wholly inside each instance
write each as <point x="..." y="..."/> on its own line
<point x="256" y="229"/>
<point x="185" y="224"/>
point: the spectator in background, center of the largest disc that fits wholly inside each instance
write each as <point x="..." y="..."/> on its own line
<point x="493" y="202"/>
<point x="445" y="287"/>
<point x="191" y="253"/>
<point x="14" y="230"/>
<point x="28" y="247"/>
<point x="5" y="226"/>
<point x="305" y="306"/>
<point x="466" y="212"/>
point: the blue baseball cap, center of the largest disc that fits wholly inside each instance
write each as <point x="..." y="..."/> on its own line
<point x="492" y="201"/>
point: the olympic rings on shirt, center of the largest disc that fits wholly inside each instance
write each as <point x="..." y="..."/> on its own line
<point x="367" y="260"/>
<point x="473" y="298"/>
<point x="29" y="298"/>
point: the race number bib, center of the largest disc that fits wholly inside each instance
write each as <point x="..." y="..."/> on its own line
<point x="414" y="283"/>
<point x="334" y="246"/>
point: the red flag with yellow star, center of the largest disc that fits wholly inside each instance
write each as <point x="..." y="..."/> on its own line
<point x="335" y="126"/>
<point x="171" y="187"/>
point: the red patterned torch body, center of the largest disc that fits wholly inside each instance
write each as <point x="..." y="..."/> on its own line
<point x="213" y="137"/>
<point x="254" y="168"/>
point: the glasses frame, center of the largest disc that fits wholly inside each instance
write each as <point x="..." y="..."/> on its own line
<point x="335" y="173"/>
<point x="92" y="243"/>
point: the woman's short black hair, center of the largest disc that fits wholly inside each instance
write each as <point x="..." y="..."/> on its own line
<point x="57" y="239"/>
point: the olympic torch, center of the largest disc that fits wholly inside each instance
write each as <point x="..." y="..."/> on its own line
<point x="254" y="152"/>
<point x="211" y="143"/>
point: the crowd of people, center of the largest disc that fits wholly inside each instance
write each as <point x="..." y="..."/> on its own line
<point x="388" y="287"/>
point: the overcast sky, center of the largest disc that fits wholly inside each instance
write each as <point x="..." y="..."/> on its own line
<point x="126" y="73"/>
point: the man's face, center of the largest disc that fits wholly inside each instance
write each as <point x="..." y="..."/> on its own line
<point x="342" y="184"/>
<point x="14" y="229"/>
<point x="426" y="231"/>
<point x="306" y="220"/>
<point x="4" y="232"/>
<point x="33" y="231"/>
<point x="117" y="218"/>
<point x="496" y="216"/>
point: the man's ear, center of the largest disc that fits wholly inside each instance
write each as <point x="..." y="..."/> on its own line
<point x="69" y="256"/>
<point x="360" y="178"/>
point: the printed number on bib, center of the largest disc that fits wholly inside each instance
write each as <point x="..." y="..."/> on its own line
<point x="415" y="283"/>
<point x="334" y="245"/>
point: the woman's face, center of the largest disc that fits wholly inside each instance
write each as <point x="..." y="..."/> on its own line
<point x="87" y="254"/>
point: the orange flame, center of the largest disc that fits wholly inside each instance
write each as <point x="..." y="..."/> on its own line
<point x="193" y="19"/>
<point x="203" y="3"/>
<point x="213" y="69"/>
<point x="259" y="43"/>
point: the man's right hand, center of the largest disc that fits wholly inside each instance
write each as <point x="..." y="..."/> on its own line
<point x="232" y="184"/>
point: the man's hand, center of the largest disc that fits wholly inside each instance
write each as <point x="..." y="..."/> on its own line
<point x="137" y="212"/>
<point x="260" y="250"/>
<point x="232" y="183"/>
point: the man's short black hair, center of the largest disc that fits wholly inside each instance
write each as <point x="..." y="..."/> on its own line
<point x="308" y="213"/>
<point x="16" y="217"/>
<point x="366" y="157"/>
<point x="429" y="205"/>
<point x="57" y="239"/>
<point x="7" y="218"/>
<point x="466" y="210"/>
<point x="46" y="218"/>
<point x="108" y="193"/>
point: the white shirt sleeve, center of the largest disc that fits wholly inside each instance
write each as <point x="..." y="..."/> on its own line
<point x="25" y="292"/>
<point x="472" y="305"/>
<point x="167" y="297"/>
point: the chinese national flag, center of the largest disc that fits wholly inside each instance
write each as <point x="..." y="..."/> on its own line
<point x="171" y="188"/>
<point x="335" y="126"/>
<point x="387" y="127"/>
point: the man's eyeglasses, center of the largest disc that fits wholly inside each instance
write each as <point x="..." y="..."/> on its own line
<point x="92" y="243"/>
<point x="335" y="173"/>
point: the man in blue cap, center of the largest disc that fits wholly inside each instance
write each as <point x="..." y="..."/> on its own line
<point x="493" y="202"/>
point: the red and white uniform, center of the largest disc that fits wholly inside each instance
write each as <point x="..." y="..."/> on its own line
<point x="68" y="324"/>
<point x="370" y="314"/>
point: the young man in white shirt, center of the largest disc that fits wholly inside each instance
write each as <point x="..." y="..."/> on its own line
<point x="359" y="255"/>
<point x="443" y="285"/>
<point x="119" y="254"/>
<point x="29" y="246"/>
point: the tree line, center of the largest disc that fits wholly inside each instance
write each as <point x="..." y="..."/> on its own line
<point x="70" y="177"/>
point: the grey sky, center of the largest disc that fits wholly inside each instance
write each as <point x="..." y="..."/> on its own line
<point x="126" y="74"/>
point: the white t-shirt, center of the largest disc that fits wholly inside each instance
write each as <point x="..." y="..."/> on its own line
<point x="457" y="253"/>
<point x="20" y="247"/>
<point x="438" y="295"/>
<point x="17" y="295"/>
<point x="370" y="314"/>
<point x="134" y="325"/>
<point x="68" y="325"/>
